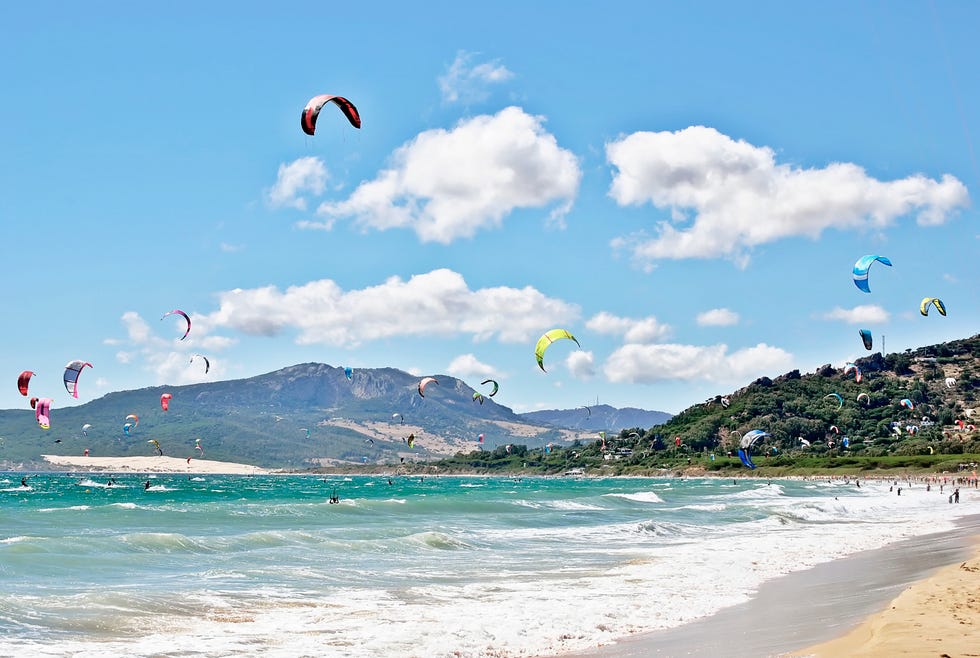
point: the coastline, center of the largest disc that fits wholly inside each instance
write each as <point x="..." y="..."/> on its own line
<point x="936" y="616"/>
<point x="157" y="464"/>
<point x="805" y="612"/>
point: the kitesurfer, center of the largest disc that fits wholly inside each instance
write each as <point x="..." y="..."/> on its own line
<point x="23" y="481"/>
<point x="146" y="485"/>
<point x="334" y="499"/>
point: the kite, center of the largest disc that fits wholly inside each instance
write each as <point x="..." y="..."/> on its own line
<point x="478" y="397"/>
<point x="165" y="401"/>
<point x="411" y="440"/>
<point x="745" y="446"/>
<point x="950" y="382"/>
<point x="312" y="111"/>
<point x="42" y="409"/>
<point x="197" y="446"/>
<point x="23" y="380"/>
<point x="907" y="403"/>
<point x="547" y="339"/>
<point x="857" y="372"/>
<point x="804" y="442"/>
<point x="866" y="338"/>
<point x="425" y="381"/>
<point x="156" y="444"/>
<point x="495" y="386"/>
<point x="207" y="364"/>
<point x="349" y="374"/>
<point x="935" y="301"/>
<point x="836" y="396"/>
<point x="480" y="439"/>
<point x="186" y="317"/>
<point x="861" y="270"/>
<point x="85" y="428"/>
<point x="128" y="427"/>
<point x="865" y="396"/>
<point x="303" y="429"/>
<point x="72" y="370"/>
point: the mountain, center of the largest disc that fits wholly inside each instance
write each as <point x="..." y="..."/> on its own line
<point x="264" y="420"/>
<point x="600" y="417"/>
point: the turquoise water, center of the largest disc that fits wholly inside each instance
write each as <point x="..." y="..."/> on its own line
<point x="435" y="566"/>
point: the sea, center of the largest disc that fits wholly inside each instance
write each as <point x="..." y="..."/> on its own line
<point x="96" y="565"/>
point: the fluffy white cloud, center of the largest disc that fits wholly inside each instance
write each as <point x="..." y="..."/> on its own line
<point x="467" y="365"/>
<point x="864" y="314"/>
<point x="741" y="197"/>
<point x="581" y="364"/>
<point x="643" y="330"/>
<point x="644" y="364"/>
<point x="169" y="358"/>
<point x="718" y="317"/>
<point x="303" y="176"/>
<point x="466" y="82"/>
<point x="434" y="303"/>
<point x="136" y="328"/>
<point x="448" y="184"/>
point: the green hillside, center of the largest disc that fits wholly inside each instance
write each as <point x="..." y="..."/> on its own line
<point x="798" y="409"/>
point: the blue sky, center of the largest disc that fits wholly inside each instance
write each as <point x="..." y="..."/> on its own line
<point x="683" y="186"/>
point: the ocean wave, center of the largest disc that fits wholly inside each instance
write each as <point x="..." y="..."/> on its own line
<point x="640" y="496"/>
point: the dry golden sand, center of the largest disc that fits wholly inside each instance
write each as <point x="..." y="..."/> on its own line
<point x="160" y="464"/>
<point x="934" y="618"/>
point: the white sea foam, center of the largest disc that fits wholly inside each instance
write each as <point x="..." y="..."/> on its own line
<point x="641" y="496"/>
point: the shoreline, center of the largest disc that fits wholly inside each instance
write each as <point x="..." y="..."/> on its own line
<point x="795" y="615"/>
<point x="937" y="615"/>
<point x="155" y="464"/>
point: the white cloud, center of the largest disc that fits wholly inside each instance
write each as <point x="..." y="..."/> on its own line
<point x="136" y="328"/>
<point x="465" y="82"/>
<point x="435" y="303"/>
<point x="303" y="176"/>
<point x="644" y="364"/>
<point x="448" y="184"/>
<point x="643" y="330"/>
<point x="169" y="358"/>
<point x="738" y="196"/>
<point x="718" y="317"/>
<point x="467" y="365"/>
<point x="581" y="364"/>
<point x="863" y="314"/>
<point x="230" y="248"/>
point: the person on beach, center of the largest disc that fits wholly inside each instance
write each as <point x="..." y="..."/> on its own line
<point x="956" y="495"/>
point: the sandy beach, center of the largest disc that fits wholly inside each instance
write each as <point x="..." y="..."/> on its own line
<point x="937" y="616"/>
<point x="159" y="464"/>
<point x="916" y="597"/>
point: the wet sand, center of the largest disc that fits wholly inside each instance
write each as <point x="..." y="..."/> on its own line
<point x="802" y="609"/>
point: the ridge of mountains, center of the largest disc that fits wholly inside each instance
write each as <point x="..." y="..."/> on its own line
<point x="302" y="416"/>
<point x="310" y="415"/>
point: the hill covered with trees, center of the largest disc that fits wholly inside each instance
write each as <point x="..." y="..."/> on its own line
<point x="915" y="408"/>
